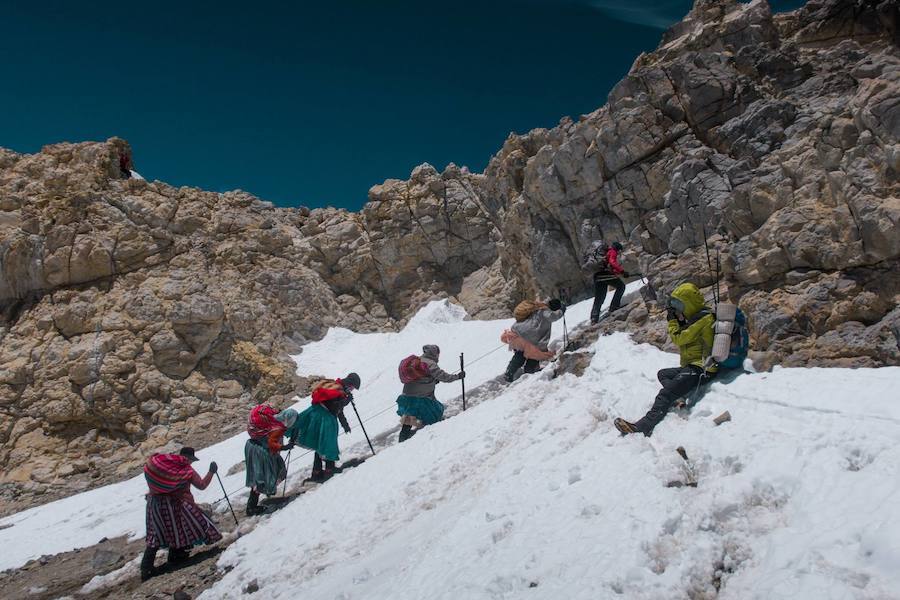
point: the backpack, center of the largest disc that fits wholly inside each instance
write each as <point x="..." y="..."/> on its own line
<point x="732" y="338"/>
<point x="595" y="257"/>
<point x="526" y="308"/>
<point x="412" y="368"/>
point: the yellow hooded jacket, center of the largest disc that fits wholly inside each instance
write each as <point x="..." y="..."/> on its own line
<point x="695" y="339"/>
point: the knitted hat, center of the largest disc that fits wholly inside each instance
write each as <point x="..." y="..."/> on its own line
<point x="351" y="379"/>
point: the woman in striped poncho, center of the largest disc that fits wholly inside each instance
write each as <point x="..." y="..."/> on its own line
<point x="173" y="519"/>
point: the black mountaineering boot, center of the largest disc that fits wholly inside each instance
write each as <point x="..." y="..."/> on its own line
<point x="253" y="504"/>
<point x="147" y="568"/>
<point x="406" y="432"/>
<point x="178" y="555"/>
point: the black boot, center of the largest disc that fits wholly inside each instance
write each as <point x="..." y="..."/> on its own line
<point x="406" y="432"/>
<point x="515" y="363"/>
<point x="253" y="504"/>
<point x="178" y="555"/>
<point x="147" y="568"/>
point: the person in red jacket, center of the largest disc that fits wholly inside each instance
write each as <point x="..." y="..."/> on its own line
<point x="609" y="273"/>
<point x="317" y="426"/>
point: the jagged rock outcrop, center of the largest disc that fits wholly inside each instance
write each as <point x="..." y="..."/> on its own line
<point x="775" y="136"/>
<point x="135" y="314"/>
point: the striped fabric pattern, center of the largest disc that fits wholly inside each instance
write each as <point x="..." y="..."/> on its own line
<point x="173" y="522"/>
<point x="168" y="473"/>
<point x="262" y="421"/>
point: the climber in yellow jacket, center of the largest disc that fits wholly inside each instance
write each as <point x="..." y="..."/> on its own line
<point x="690" y="324"/>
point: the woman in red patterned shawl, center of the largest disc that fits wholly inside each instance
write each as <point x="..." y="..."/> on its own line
<point x="265" y="468"/>
<point x="173" y="519"/>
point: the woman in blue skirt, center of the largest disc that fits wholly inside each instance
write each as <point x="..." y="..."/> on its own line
<point x="417" y="405"/>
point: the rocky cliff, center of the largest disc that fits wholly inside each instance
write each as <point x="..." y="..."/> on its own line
<point x="135" y="314"/>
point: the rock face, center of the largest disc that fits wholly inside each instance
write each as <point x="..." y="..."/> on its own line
<point x="776" y="137"/>
<point x="136" y="315"/>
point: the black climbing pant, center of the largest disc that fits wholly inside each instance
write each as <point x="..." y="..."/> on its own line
<point x="516" y="363"/>
<point x="677" y="383"/>
<point x="602" y="281"/>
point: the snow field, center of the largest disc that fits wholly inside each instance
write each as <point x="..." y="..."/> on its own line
<point x="533" y="494"/>
<point x="83" y="519"/>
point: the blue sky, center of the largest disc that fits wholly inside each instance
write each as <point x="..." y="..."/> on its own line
<point x="311" y="103"/>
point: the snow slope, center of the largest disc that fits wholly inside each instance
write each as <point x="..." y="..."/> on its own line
<point x="533" y="494"/>
<point x="114" y="510"/>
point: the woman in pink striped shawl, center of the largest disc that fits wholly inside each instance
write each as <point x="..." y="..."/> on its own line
<point x="174" y="521"/>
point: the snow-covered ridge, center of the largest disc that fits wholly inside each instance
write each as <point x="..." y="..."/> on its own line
<point x="533" y="494"/>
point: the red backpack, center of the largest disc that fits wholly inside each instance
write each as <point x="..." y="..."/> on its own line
<point x="412" y="368"/>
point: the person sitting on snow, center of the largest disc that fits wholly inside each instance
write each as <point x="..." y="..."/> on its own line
<point x="174" y="520"/>
<point x="317" y="426"/>
<point x="417" y="405"/>
<point x="690" y="324"/>
<point x="529" y="337"/>
<point x="265" y="468"/>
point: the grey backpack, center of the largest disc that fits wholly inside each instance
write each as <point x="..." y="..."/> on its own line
<point x="595" y="257"/>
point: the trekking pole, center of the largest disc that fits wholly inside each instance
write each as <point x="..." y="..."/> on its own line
<point x="564" y="299"/>
<point x="226" y="497"/>
<point x="353" y="404"/>
<point x="286" y="469"/>
<point x="462" y="380"/>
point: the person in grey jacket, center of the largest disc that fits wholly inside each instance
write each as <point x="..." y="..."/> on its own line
<point x="535" y="329"/>
<point x="417" y="405"/>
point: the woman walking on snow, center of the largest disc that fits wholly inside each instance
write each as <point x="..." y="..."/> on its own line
<point x="173" y="519"/>
<point x="529" y="337"/>
<point x="265" y="467"/>
<point x="417" y="405"/>
<point x="690" y="324"/>
<point x="317" y="426"/>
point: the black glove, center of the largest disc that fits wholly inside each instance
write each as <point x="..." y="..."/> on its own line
<point x="213" y="467"/>
<point x="347" y="429"/>
<point x="626" y="274"/>
<point x="462" y="375"/>
<point x="349" y="397"/>
<point x="288" y="446"/>
<point x="555" y="304"/>
<point x="671" y="315"/>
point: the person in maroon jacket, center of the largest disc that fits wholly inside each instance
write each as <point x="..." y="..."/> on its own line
<point x="609" y="274"/>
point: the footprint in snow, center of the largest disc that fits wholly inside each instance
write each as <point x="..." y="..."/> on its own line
<point x="574" y="475"/>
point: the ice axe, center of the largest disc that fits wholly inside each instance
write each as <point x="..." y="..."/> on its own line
<point x="692" y="477"/>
